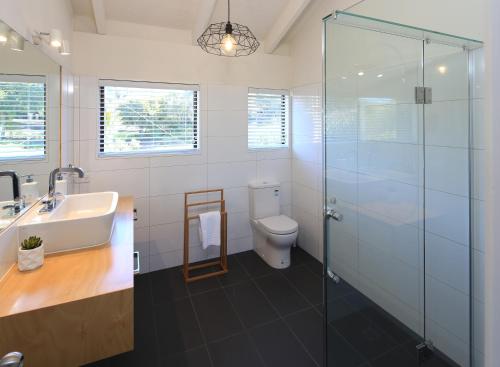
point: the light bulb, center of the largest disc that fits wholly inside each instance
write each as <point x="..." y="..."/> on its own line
<point x="442" y="69"/>
<point x="4" y="33"/>
<point x="16" y="42"/>
<point x="55" y="38"/>
<point x="65" y="49"/>
<point x="228" y="45"/>
<point x="361" y="73"/>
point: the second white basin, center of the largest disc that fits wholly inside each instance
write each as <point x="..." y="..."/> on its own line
<point x="78" y="221"/>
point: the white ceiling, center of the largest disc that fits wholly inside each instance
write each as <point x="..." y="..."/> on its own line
<point x="258" y="15"/>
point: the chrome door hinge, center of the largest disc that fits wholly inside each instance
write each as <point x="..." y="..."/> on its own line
<point x="333" y="276"/>
<point x="423" y="95"/>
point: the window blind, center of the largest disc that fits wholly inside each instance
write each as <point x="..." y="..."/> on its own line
<point x="267" y="118"/>
<point x="147" y="118"/>
<point x="22" y="117"/>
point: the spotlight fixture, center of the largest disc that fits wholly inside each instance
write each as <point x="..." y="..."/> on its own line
<point x="4" y="33"/>
<point x="361" y="73"/>
<point x="54" y="39"/>
<point x="65" y="50"/>
<point x="16" y="42"/>
<point x="228" y="39"/>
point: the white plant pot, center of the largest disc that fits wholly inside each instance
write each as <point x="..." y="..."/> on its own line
<point x="30" y="259"/>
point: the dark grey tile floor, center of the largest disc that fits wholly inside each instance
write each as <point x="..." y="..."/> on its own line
<point x="258" y="316"/>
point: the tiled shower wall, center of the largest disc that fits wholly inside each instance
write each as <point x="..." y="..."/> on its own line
<point x="157" y="183"/>
<point x="379" y="259"/>
<point x="307" y="182"/>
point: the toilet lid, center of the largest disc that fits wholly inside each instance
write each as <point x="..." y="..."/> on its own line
<point x="279" y="224"/>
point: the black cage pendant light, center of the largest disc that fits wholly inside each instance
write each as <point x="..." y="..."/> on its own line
<point x="228" y="39"/>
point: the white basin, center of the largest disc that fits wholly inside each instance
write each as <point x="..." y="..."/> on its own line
<point x="78" y="221"/>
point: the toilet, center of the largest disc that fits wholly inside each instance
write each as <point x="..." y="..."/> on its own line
<point x="274" y="234"/>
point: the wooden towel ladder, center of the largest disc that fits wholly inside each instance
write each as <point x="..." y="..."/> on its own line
<point x="222" y="260"/>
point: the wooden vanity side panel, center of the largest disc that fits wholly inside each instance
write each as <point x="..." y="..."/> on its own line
<point x="74" y="333"/>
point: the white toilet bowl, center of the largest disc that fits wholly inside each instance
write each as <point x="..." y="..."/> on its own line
<point x="274" y="237"/>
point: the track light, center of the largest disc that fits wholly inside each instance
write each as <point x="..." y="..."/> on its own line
<point x="65" y="49"/>
<point x="16" y="42"/>
<point x="55" y="38"/>
<point x="4" y="33"/>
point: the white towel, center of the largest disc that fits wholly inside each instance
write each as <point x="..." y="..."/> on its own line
<point x="210" y="229"/>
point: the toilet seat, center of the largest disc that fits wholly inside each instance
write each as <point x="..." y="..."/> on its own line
<point x="280" y="224"/>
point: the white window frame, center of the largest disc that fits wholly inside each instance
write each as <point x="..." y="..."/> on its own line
<point x="148" y="85"/>
<point x="281" y="92"/>
<point x="24" y="78"/>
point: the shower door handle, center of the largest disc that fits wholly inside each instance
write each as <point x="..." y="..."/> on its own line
<point x="330" y="213"/>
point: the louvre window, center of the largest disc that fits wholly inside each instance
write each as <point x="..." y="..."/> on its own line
<point x="267" y="118"/>
<point x="147" y="118"/>
<point x="22" y="117"/>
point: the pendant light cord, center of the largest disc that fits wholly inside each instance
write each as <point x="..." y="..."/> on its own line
<point x="228" y="11"/>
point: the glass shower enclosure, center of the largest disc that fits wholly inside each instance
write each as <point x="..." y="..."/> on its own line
<point x="397" y="188"/>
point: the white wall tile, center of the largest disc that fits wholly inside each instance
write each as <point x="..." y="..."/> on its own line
<point x="448" y="262"/>
<point x="227" y="97"/>
<point x="447" y="216"/>
<point x="89" y="92"/>
<point x="228" y="175"/>
<point x="229" y="149"/>
<point x="302" y="196"/>
<point x="177" y="179"/>
<point x="341" y="184"/>
<point x="134" y="182"/>
<point x="278" y="170"/>
<point x="447" y="170"/>
<point x="447" y="123"/>
<point x="166" y="209"/>
<point x="447" y="307"/>
<point x="223" y="123"/>
<point x="238" y="225"/>
<point x="306" y="173"/>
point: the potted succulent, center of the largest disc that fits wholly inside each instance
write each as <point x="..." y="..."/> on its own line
<point x="30" y="254"/>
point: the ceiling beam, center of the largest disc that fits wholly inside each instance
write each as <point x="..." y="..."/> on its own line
<point x="99" y="15"/>
<point x="282" y="25"/>
<point x="203" y="18"/>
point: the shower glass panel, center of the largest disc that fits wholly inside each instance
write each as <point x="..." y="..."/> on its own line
<point x="397" y="216"/>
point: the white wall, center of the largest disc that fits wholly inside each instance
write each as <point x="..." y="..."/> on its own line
<point x="158" y="182"/>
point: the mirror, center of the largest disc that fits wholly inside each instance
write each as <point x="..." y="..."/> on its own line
<point x="29" y="122"/>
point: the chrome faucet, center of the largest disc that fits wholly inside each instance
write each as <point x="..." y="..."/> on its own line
<point x="15" y="182"/>
<point x="18" y="203"/>
<point x="13" y="359"/>
<point x="51" y="201"/>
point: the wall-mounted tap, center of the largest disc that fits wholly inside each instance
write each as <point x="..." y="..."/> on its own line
<point x="51" y="201"/>
<point x="15" y="183"/>
<point x="16" y="189"/>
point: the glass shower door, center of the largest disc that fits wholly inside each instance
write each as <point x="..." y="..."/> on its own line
<point x="397" y="195"/>
<point x="374" y="176"/>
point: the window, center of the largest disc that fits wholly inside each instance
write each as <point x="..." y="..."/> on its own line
<point x="22" y="117"/>
<point x="267" y="118"/>
<point x="147" y="118"/>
